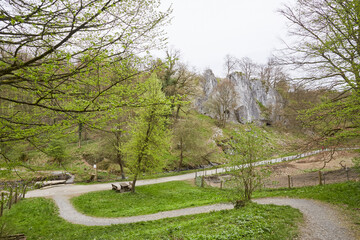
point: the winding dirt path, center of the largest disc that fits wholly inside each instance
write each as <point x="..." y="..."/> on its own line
<point x="321" y="221"/>
<point x="69" y="213"/>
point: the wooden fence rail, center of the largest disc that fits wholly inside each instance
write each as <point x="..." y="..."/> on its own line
<point x="11" y="197"/>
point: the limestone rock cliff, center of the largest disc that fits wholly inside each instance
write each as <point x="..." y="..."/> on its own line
<point x="255" y="101"/>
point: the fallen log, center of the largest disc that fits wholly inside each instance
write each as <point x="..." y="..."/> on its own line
<point x="14" y="237"/>
<point x="49" y="183"/>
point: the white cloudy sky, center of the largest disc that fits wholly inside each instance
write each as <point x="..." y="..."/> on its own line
<point x="206" y="30"/>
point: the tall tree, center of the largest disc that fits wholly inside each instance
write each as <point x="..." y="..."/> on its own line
<point x="149" y="135"/>
<point x="327" y="47"/>
<point x="177" y="79"/>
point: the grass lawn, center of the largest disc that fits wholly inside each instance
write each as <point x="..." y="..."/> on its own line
<point x="38" y="219"/>
<point x="148" y="199"/>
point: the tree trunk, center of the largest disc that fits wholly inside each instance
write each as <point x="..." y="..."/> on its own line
<point x="121" y="164"/>
<point x="133" y="184"/>
<point x="181" y="154"/>
<point x="80" y="133"/>
<point x="140" y="156"/>
<point x="177" y="111"/>
<point x="119" y="156"/>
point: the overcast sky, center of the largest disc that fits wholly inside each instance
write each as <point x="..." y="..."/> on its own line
<point x="206" y="30"/>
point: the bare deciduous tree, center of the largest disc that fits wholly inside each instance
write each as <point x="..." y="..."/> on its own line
<point x="231" y="64"/>
<point x="272" y="73"/>
<point x="247" y="67"/>
<point x="222" y="101"/>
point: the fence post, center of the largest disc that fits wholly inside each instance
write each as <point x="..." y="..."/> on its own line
<point x="16" y="194"/>
<point x="96" y="174"/>
<point x="289" y="181"/>
<point x="347" y="173"/>
<point x="10" y="197"/>
<point x="2" y="203"/>
<point x="195" y="174"/>
<point x="24" y="190"/>
<point x="221" y="184"/>
<point x="320" y="178"/>
<point x="202" y="181"/>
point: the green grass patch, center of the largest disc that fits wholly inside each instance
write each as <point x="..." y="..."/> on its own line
<point x="338" y="193"/>
<point x="148" y="199"/>
<point x="38" y="219"/>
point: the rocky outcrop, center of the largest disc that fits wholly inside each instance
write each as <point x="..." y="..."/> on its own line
<point x="255" y="101"/>
<point x="209" y="84"/>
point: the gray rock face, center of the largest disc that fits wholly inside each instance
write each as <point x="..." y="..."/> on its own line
<point x="255" y="102"/>
<point x="210" y="82"/>
<point x="209" y="85"/>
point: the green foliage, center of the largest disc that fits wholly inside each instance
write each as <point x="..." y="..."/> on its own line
<point x="265" y="112"/>
<point x="356" y="161"/>
<point x="55" y="81"/>
<point x="336" y="122"/>
<point x="247" y="147"/>
<point x="56" y="150"/>
<point x="191" y="143"/>
<point x="5" y="228"/>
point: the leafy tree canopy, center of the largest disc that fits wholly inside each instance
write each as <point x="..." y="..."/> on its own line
<point x="51" y="53"/>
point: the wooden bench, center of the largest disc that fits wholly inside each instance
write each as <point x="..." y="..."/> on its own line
<point x="123" y="187"/>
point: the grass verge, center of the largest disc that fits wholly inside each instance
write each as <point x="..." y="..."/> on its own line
<point x="148" y="199"/>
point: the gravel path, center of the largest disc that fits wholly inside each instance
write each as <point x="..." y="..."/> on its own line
<point x="321" y="221"/>
<point x="68" y="212"/>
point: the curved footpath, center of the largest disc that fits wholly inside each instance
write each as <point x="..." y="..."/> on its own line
<point x="321" y="221"/>
<point x="69" y="213"/>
